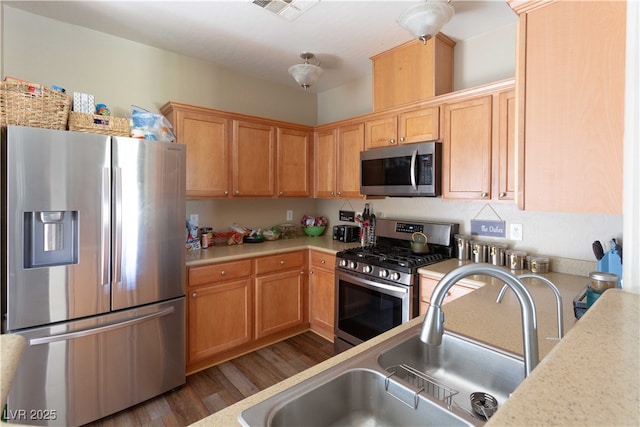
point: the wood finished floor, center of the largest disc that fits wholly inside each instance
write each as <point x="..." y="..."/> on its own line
<point x="213" y="389"/>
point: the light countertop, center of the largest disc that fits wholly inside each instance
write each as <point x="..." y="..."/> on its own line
<point x="590" y="378"/>
<point x="11" y="347"/>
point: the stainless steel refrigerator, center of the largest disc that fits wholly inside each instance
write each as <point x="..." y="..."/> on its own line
<point x="93" y="272"/>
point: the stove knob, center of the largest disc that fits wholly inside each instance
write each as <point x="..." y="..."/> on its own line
<point x="384" y="273"/>
<point x="353" y="265"/>
<point x="395" y="276"/>
<point x="343" y="263"/>
<point x="367" y="269"/>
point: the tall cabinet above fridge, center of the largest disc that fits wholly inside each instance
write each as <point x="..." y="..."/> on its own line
<point x="93" y="272"/>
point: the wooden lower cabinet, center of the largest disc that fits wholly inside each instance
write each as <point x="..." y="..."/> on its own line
<point x="279" y="302"/>
<point x="220" y="318"/>
<point x="428" y="284"/>
<point x="322" y="293"/>
<point x="240" y="306"/>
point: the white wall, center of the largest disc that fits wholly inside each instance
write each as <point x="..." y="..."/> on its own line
<point x="119" y="72"/>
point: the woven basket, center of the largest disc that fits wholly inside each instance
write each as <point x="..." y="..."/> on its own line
<point x="94" y="123"/>
<point x="33" y="105"/>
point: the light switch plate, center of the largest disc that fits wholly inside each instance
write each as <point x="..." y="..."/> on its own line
<point x="515" y="231"/>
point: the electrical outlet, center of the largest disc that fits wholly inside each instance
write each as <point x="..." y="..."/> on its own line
<point x="193" y="218"/>
<point x="515" y="231"/>
<point x="289" y="215"/>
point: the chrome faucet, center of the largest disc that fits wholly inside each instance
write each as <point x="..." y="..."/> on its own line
<point x="433" y="328"/>
<point x="556" y="292"/>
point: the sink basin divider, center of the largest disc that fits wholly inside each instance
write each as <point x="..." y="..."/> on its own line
<point x="423" y="382"/>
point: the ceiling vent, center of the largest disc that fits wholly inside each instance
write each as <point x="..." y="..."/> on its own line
<point x="287" y="9"/>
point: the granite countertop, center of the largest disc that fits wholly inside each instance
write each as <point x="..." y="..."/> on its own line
<point x="11" y="347"/>
<point x="555" y="392"/>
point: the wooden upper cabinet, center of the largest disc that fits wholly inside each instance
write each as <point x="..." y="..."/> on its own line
<point x="207" y="139"/>
<point x="467" y="149"/>
<point x="403" y="128"/>
<point x="381" y="132"/>
<point x="350" y="144"/>
<point x="570" y="76"/>
<point x="293" y="149"/>
<point x="419" y="125"/>
<point x="253" y="159"/>
<point x="412" y="72"/>
<point x="325" y="162"/>
<point x="504" y="158"/>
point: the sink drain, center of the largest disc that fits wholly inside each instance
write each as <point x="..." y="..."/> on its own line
<point x="483" y="404"/>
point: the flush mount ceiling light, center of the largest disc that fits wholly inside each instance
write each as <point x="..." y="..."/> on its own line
<point x="425" y="20"/>
<point x="306" y="74"/>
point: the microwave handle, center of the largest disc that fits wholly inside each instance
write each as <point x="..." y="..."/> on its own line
<point x="413" y="170"/>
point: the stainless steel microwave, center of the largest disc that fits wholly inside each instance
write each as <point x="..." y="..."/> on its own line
<point x="402" y="170"/>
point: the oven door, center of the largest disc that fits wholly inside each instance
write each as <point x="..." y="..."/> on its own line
<point x="365" y="308"/>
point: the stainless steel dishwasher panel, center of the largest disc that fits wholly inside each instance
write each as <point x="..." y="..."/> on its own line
<point x="77" y="372"/>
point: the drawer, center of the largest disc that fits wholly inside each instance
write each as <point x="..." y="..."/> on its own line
<point x="428" y="285"/>
<point x="280" y="262"/>
<point x="322" y="260"/>
<point x="219" y="272"/>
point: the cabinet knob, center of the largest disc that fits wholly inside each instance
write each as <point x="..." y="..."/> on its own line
<point x="222" y="273"/>
<point x="484" y="195"/>
<point x="311" y="272"/>
<point x="302" y="272"/>
<point x="323" y="262"/>
<point x="236" y="192"/>
<point x="503" y="195"/>
<point x="339" y="193"/>
<point x="333" y="194"/>
<point x="226" y="192"/>
<point x="194" y="295"/>
<point x="402" y="139"/>
<point x="281" y="262"/>
<point x="281" y="193"/>
<point x="392" y="141"/>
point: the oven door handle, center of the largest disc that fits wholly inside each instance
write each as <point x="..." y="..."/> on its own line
<point x="373" y="285"/>
<point x="413" y="170"/>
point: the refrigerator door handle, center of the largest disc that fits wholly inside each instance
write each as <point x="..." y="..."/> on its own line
<point x="104" y="223"/>
<point x="117" y="237"/>
<point x="101" y="329"/>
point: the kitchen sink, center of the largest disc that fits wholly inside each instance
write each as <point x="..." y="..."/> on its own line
<point x="354" y="397"/>
<point x="463" y="364"/>
<point x="399" y="382"/>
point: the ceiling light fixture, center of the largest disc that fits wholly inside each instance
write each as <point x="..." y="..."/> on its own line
<point x="306" y="74"/>
<point x="425" y="20"/>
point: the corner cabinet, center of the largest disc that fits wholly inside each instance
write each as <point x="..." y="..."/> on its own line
<point x="570" y="74"/>
<point x="478" y="147"/>
<point x="293" y="159"/>
<point x="337" y="161"/>
<point x="253" y="159"/>
<point x="206" y="136"/>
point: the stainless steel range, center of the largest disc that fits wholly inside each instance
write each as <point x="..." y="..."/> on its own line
<point x="377" y="287"/>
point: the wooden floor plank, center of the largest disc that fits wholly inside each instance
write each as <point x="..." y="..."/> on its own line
<point x="215" y="388"/>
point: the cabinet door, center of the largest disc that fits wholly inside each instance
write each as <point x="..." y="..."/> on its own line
<point x="382" y="132"/>
<point x="324" y="163"/>
<point x="280" y="302"/>
<point x="504" y="174"/>
<point x="322" y="293"/>
<point x="293" y="160"/>
<point x="207" y="141"/>
<point x="467" y="149"/>
<point x="350" y="144"/>
<point x="253" y="152"/>
<point x="419" y="125"/>
<point x="573" y="82"/>
<point x="220" y="318"/>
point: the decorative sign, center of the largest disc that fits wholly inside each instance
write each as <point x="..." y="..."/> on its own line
<point x="490" y="228"/>
<point x="347" y="216"/>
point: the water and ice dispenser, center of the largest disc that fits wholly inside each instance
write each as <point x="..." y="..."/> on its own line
<point x="50" y="238"/>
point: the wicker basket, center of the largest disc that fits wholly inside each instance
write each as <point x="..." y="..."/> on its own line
<point x="33" y="105"/>
<point x="94" y="123"/>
